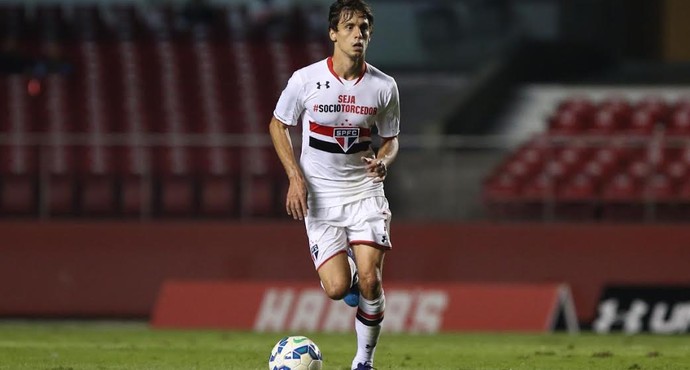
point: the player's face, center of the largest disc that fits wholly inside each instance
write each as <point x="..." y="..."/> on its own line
<point x="353" y="35"/>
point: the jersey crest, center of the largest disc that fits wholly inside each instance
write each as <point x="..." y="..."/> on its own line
<point x="346" y="137"/>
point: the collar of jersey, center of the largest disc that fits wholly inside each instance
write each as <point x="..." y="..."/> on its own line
<point x="329" y="61"/>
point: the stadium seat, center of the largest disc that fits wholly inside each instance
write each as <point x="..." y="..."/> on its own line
<point x="98" y="195"/>
<point x="61" y="195"/>
<point x="566" y="122"/>
<point x="576" y="199"/>
<point x="19" y="195"/>
<point x="656" y="106"/>
<point x="538" y="196"/>
<point x="639" y="169"/>
<point x="679" y="123"/>
<point x="674" y="207"/>
<point x="540" y="187"/>
<point x="219" y="196"/>
<point x="606" y="121"/>
<point x="622" y="200"/>
<point x="177" y="196"/>
<point x="136" y="196"/>
<point x="676" y="171"/>
<point x="18" y="159"/>
<point x="517" y="169"/>
<point x="262" y="201"/>
<point x="659" y="189"/>
<point x="643" y="122"/>
<point x="217" y="161"/>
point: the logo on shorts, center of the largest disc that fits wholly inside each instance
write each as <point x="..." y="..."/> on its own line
<point x="315" y="252"/>
<point x="346" y="137"/>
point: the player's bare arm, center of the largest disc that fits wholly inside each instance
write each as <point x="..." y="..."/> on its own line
<point x="296" y="200"/>
<point x="378" y="167"/>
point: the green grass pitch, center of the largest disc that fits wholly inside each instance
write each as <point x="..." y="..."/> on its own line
<point x="93" y="345"/>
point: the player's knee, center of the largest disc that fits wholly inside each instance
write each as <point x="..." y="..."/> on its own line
<point x="336" y="289"/>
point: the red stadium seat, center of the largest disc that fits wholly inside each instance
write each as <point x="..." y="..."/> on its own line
<point x="262" y="197"/>
<point x="177" y="196"/>
<point x="217" y="161"/>
<point x="577" y="199"/>
<point x="622" y="199"/>
<point x="639" y="169"/>
<point x="136" y="194"/>
<point x="659" y="188"/>
<point x="540" y="188"/>
<point x="566" y="122"/>
<point x="574" y="157"/>
<point x="219" y="196"/>
<point x="671" y="197"/>
<point x="621" y="187"/>
<point x="676" y="171"/>
<point x="581" y="187"/>
<point x="642" y="122"/>
<point x="606" y="121"/>
<point x="679" y="123"/>
<point x="19" y="195"/>
<point x="684" y="155"/>
<point x="19" y="159"/>
<point x="98" y="195"/>
<point x="61" y="195"/>
<point x="520" y="169"/>
<point x="656" y="106"/>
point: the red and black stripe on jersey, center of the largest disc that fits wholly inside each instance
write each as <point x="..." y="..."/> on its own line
<point x="345" y="137"/>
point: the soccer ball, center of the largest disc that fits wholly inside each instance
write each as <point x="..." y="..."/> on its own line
<point x="295" y="353"/>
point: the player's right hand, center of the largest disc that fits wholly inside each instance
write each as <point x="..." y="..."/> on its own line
<point x="296" y="202"/>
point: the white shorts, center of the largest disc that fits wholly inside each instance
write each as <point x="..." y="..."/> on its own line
<point x="333" y="230"/>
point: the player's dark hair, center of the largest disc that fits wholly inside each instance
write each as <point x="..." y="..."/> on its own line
<point x="348" y="8"/>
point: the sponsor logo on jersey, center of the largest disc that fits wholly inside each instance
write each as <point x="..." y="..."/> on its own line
<point x="346" y="137"/>
<point x="345" y="108"/>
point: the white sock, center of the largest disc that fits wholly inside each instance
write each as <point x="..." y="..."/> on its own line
<point x="368" y="327"/>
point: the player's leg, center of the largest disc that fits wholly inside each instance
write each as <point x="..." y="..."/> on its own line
<point x="370" y="240"/>
<point x="372" y="303"/>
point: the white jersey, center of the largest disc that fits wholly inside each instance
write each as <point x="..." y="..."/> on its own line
<point x="337" y="119"/>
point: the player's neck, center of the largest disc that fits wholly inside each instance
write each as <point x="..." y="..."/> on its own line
<point x="348" y="68"/>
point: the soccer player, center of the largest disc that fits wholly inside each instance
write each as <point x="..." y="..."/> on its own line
<point x="337" y="186"/>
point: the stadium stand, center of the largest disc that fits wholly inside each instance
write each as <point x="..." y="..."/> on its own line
<point x="613" y="159"/>
<point x="129" y="110"/>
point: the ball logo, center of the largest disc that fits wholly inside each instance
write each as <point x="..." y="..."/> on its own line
<point x="346" y="137"/>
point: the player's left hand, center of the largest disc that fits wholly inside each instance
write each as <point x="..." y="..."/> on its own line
<point x="376" y="168"/>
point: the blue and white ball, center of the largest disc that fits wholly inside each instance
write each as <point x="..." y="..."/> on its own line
<point x="295" y="353"/>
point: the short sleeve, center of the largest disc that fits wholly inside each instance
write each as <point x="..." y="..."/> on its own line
<point x="388" y="120"/>
<point x="290" y="104"/>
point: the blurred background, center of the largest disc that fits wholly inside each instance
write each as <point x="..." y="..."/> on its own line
<point x="158" y="109"/>
<point x="514" y="112"/>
